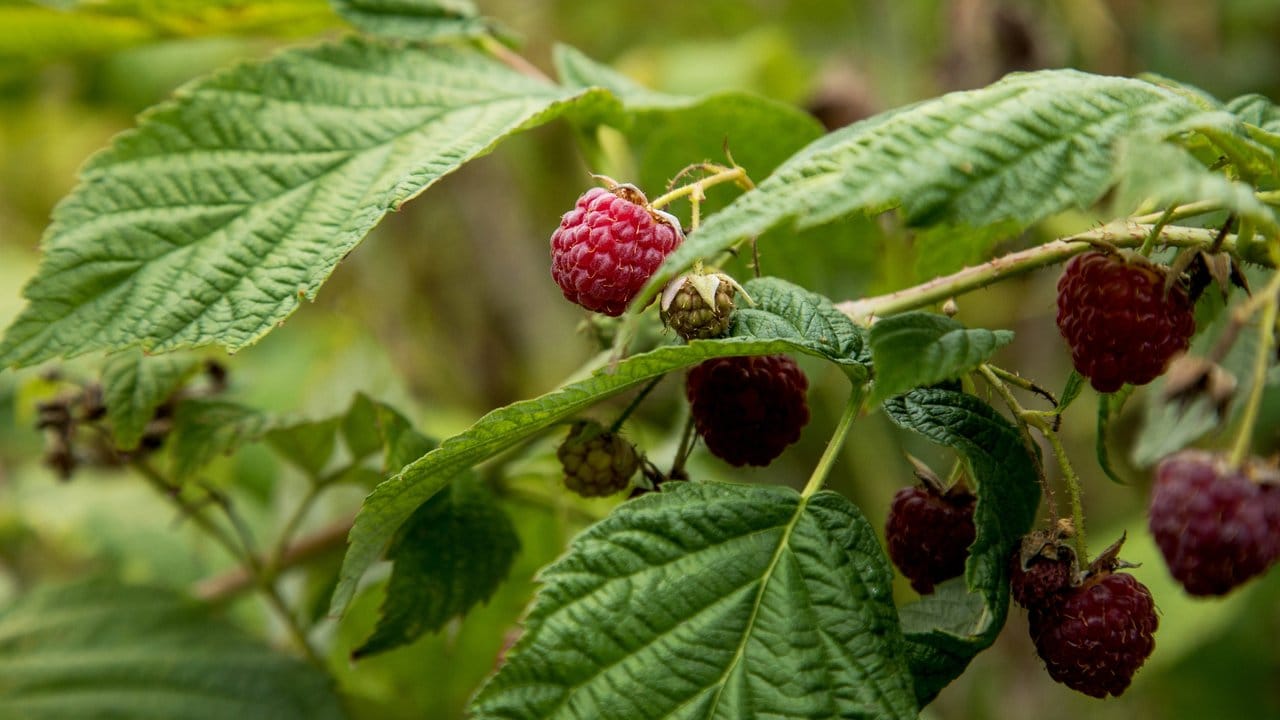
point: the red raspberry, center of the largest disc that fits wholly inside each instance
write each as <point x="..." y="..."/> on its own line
<point x="608" y="246"/>
<point x="748" y="409"/>
<point x="929" y="534"/>
<point x="596" y="462"/>
<point x="1042" y="579"/>
<point x="1215" y="526"/>
<point x="1121" y="324"/>
<point x="1098" y="635"/>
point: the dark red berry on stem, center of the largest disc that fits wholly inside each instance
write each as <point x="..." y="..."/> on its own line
<point x="608" y="247"/>
<point x="1097" y="636"/>
<point x="748" y="409"/>
<point x="1214" y="525"/>
<point x="1121" y="323"/>
<point x="929" y="534"/>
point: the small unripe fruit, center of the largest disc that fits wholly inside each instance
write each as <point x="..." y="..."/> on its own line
<point x="596" y="462"/>
<point x="698" y="306"/>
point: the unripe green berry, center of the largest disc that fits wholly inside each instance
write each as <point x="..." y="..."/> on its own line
<point x="699" y="306"/>
<point x="596" y="462"/>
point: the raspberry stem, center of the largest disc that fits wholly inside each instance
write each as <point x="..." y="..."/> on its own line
<point x="851" y="410"/>
<point x="992" y="376"/>
<point x="697" y="188"/>
<point x="1270" y="299"/>
<point x="1123" y="233"/>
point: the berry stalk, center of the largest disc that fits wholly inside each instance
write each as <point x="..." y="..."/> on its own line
<point x="852" y="408"/>
<point x="1262" y="362"/>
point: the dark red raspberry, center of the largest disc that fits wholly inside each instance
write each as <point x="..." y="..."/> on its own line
<point x="929" y="534"/>
<point x="1216" y="527"/>
<point x="608" y="246"/>
<point x="596" y="462"/>
<point x="1097" y="636"/>
<point x="1121" y="324"/>
<point x="748" y="409"/>
<point x="1041" y="579"/>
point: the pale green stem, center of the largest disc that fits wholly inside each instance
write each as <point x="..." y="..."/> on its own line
<point x="1262" y="362"/>
<point x="851" y="410"/>
<point x="735" y="174"/>
<point x="1165" y="218"/>
<point x="1118" y="234"/>
<point x="992" y="375"/>
<point x="1073" y="487"/>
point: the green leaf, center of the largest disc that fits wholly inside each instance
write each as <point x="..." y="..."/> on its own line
<point x="451" y="554"/>
<point x="945" y="631"/>
<point x="1160" y="172"/>
<point x="205" y="429"/>
<point x="1256" y="110"/>
<point x="360" y="428"/>
<point x="392" y="502"/>
<point x="710" y="600"/>
<point x="417" y="20"/>
<point x="1029" y="146"/>
<point x="1075" y="384"/>
<point x="308" y="445"/>
<point x="401" y="443"/>
<point x="917" y="348"/>
<point x="98" y="650"/>
<point x="668" y="132"/>
<point x="1171" y="426"/>
<point x="1110" y="405"/>
<point x="134" y="385"/>
<point x="228" y="206"/>
<point x="785" y="310"/>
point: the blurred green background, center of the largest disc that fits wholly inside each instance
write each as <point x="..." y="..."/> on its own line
<point x="447" y="310"/>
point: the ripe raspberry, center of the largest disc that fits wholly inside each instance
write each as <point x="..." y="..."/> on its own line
<point x="1215" y="526"/>
<point x="608" y="246"/>
<point x="698" y="306"/>
<point x="596" y="462"/>
<point x="1039" y="580"/>
<point x="748" y="409"/>
<point x="1121" y="324"/>
<point x="1098" y="635"/>
<point x="929" y="534"/>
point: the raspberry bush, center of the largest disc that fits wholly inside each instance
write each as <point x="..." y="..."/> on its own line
<point x="615" y="456"/>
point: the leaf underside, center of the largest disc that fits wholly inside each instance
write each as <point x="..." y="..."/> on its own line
<point x="710" y="600"/>
<point x="1019" y="150"/>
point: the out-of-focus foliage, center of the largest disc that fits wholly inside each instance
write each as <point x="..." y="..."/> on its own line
<point x="446" y="311"/>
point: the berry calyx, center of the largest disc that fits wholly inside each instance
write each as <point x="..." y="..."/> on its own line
<point x="1097" y="636"/>
<point x="929" y="532"/>
<point x="1215" y="525"/>
<point x="1122" y="320"/>
<point x="698" y="306"/>
<point x="748" y="409"/>
<point x="608" y="246"/>
<point x="596" y="462"/>
<point x="1042" y="569"/>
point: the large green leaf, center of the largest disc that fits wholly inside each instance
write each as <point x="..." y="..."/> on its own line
<point x="228" y="206"/>
<point x="710" y="600"/>
<point x="101" y="650"/>
<point x="451" y="554"/>
<point x="1026" y="147"/>
<point x="134" y="386"/>
<point x="916" y="349"/>
<point x="419" y="20"/>
<point x="945" y="630"/>
<point x="392" y="502"/>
